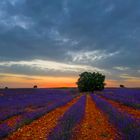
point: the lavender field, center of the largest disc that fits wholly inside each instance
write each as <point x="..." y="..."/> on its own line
<point x="63" y="114"/>
<point x="69" y="70"/>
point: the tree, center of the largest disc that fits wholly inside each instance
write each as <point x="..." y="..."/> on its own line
<point x="122" y="86"/>
<point x="91" y="81"/>
<point x="35" y="86"/>
<point x="6" y="87"/>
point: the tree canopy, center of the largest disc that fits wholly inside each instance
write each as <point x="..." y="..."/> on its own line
<point x="122" y="86"/>
<point x="35" y="86"/>
<point x="91" y="81"/>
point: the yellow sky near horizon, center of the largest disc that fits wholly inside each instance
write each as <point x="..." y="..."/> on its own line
<point x="24" y="81"/>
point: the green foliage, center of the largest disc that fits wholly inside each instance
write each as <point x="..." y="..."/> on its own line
<point x="91" y="81"/>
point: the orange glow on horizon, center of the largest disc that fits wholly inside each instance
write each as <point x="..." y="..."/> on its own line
<point x="59" y="82"/>
<point x="111" y="83"/>
<point x="24" y="81"/>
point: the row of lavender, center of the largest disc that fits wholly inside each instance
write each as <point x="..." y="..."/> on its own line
<point x="28" y="116"/>
<point x="63" y="130"/>
<point x="128" y="127"/>
<point x="129" y="97"/>
<point x="15" y="101"/>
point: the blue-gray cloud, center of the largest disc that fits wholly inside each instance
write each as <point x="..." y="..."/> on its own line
<point x="65" y="31"/>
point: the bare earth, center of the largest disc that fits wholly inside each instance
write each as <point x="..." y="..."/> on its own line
<point x="123" y="108"/>
<point x="95" y="125"/>
<point x="40" y="128"/>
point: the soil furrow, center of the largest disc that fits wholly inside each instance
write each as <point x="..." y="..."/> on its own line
<point x="123" y="108"/>
<point x="40" y="128"/>
<point x="95" y="125"/>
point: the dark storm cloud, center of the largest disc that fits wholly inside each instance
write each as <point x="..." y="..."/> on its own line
<point x="56" y="29"/>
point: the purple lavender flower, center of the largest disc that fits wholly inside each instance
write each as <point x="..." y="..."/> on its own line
<point x="128" y="126"/>
<point x="4" y="128"/>
<point x="72" y="116"/>
<point x="56" y="97"/>
<point x="125" y="96"/>
<point x="15" y="101"/>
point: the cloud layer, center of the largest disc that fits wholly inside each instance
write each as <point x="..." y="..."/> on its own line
<point x="65" y="37"/>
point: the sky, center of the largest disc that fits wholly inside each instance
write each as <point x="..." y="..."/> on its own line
<point x="50" y="42"/>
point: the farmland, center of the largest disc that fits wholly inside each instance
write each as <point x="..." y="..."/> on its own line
<point x="63" y="114"/>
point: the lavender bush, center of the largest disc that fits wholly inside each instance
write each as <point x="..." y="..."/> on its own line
<point x="28" y="117"/>
<point x="4" y="128"/>
<point x="125" y="96"/>
<point x="15" y="101"/>
<point x="63" y="130"/>
<point x="128" y="126"/>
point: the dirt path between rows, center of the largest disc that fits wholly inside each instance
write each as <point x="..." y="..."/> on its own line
<point x="95" y="125"/>
<point x="123" y="108"/>
<point x="40" y="128"/>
